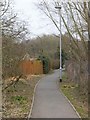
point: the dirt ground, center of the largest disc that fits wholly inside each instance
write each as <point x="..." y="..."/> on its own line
<point x="17" y="99"/>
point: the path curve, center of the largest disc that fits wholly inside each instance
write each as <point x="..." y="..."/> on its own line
<point x="49" y="101"/>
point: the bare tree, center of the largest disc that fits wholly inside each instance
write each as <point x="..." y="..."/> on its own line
<point x="4" y="5"/>
<point x="13" y="31"/>
<point x="88" y="58"/>
<point x="89" y="19"/>
<point x="77" y="29"/>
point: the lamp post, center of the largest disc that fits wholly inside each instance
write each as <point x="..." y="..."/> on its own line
<point x="59" y="8"/>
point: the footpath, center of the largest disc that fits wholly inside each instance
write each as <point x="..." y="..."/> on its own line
<point x="49" y="101"/>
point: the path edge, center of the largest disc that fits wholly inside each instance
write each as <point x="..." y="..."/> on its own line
<point x="70" y="104"/>
<point x="32" y="104"/>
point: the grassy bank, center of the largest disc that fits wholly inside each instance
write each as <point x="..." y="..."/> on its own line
<point x="17" y="99"/>
<point x="71" y="91"/>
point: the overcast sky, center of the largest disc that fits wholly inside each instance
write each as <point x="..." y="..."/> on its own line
<point x="38" y="23"/>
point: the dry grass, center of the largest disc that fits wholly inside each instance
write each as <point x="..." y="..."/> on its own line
<point x="79" y="100"/>
<point x="17" y="100"/>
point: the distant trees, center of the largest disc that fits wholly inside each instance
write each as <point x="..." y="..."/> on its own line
<point x="48" y="46"/>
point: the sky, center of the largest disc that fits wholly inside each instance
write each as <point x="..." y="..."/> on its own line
<point x="39" y="24"/>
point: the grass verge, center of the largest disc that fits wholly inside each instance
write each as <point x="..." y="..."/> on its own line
<point x="17" y="100"/>
<point x="71" y="91"/>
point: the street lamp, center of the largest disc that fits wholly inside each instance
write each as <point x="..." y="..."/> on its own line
<point x="59" y="8"/>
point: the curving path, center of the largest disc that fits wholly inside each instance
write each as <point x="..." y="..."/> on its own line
<point x="49" y="100"/>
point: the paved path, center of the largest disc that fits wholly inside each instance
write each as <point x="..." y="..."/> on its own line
<point x="49" y="101"/>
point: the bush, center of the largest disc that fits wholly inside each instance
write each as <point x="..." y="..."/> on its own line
<point x="46" y="64"/>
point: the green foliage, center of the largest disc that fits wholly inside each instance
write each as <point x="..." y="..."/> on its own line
<point x="46" y="64"/>
<point x="19" y="99"/>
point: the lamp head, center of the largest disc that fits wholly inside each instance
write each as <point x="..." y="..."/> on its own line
<point x="58" y="7"/>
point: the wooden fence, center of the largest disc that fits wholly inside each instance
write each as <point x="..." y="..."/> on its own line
<point x="33" y="67"/>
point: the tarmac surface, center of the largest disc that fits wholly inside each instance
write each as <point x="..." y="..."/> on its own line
<point x="49" y="101"/>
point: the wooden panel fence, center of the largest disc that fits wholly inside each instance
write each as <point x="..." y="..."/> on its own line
<point x="33" y="67"/>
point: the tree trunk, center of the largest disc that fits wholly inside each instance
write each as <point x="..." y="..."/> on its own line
<point x="89" y="19"/>
<point x="89" y="59"/>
